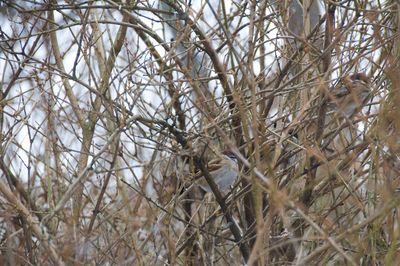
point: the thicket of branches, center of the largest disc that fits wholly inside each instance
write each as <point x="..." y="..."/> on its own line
<point x="107" y="108"/>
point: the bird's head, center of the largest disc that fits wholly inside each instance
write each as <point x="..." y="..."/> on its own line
<point x="230" y="154"/>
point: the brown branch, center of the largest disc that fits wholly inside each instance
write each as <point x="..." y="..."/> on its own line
<point x="22" y="210"/>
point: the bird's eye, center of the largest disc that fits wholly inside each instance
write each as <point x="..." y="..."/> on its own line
<point x="233" y="157"/>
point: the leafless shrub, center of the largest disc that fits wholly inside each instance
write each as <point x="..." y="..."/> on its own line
<point x="109" y="108"/>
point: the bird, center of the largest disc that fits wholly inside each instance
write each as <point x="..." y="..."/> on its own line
<point x="224" y="170"/>
<point x="352" y="96"/>
<point x="346" y="105"/>
<point x="342" y="126"/>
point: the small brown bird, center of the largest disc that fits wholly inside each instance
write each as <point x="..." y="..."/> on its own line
<point x="224" y="170"/>
<point x="341" y="127"/>
<point x="353" y="95"/>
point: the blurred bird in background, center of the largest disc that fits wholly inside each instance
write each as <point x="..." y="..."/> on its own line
<point x="343" y="110"/>
<point x="352" y="96"/>
<point x="343" y="127"/>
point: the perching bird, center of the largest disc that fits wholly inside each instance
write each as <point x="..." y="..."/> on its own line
<point x="342" y="130"/>
<point x="347" y="102"/>
<point x="352" y="96"/>
<point x="224" y="170"/>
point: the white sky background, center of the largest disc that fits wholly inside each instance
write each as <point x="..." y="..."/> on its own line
<point x="31" y="110"/>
